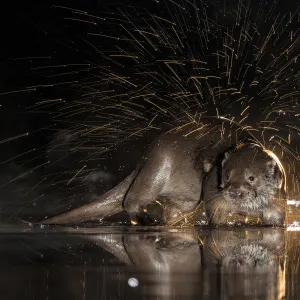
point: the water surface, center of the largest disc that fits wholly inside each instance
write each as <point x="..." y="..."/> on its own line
<point x="149" y="263"/>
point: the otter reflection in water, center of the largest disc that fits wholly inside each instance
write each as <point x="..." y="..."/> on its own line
<point x="249" y="264"/>
<point x="234" y="263"/>
<point x="137" y="264"/>
<point x="170" y="262"/>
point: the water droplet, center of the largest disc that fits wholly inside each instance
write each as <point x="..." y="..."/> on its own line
<point x="133" y="282"/>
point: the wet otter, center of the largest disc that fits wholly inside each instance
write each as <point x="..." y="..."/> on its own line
<point x="171" y="172"/>
<point x="246" y="181"/>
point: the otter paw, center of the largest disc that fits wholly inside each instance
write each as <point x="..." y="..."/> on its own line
<point x="273" y="218"/>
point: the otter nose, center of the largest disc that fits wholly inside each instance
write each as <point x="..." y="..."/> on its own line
<point x="235" y="193"/>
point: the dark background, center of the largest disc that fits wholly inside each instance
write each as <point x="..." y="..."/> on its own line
<point x="35" y="35"/>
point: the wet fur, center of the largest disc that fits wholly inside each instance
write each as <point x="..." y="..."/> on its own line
<point x="263" y="198"/>
<point x="170" y="172"/>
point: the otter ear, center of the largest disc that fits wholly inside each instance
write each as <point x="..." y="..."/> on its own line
<point x="271" y="166"/>
<point x="274" y="172"/>
<point x="225" y="158"/>
<point x="273" y="169"/>
<point x="207" y="166"/>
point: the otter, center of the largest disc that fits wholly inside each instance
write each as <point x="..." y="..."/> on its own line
<point x="171" y="173"/>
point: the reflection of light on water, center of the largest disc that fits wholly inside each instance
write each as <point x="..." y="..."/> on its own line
<point x="293" y="222"/>
<point x="295" y="226"/>
<point x="133" y="282"/>
<point x="292" y="228"/>
<point x="293" y="202"/>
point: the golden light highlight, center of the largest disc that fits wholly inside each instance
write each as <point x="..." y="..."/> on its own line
<point x="282" y="170"/>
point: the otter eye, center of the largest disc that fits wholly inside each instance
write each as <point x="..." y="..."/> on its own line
<point x="226" y="177"/>
<point x="251" y="178"/>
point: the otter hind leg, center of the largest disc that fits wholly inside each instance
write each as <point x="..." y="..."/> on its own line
<point x="139" y="196"/>
<point x="147" y="187"/>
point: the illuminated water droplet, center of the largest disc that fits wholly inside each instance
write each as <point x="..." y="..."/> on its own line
<point x="133" y="282"/>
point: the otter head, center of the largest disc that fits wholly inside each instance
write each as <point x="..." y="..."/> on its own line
<point x="249" y="178"/>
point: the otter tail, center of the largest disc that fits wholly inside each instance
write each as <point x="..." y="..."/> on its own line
<point x="108" y="204"/>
